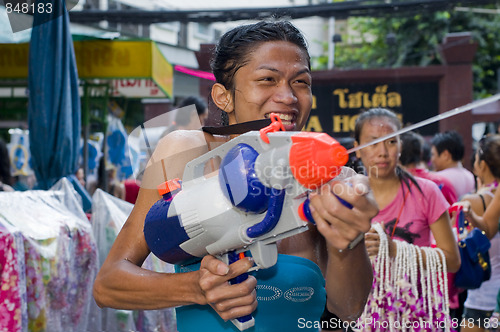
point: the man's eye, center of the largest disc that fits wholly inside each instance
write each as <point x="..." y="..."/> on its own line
<point x="303" y="81"/>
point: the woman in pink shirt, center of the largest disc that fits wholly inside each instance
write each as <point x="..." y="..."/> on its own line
<point x="411" y="210"/>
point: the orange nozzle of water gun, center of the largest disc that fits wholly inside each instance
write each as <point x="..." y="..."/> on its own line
<point x="316" y="158"/>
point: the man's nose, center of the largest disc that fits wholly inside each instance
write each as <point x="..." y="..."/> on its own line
<point x="285" y="94"/>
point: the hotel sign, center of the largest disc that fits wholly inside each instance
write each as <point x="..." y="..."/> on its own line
<point x="336" y="106"/>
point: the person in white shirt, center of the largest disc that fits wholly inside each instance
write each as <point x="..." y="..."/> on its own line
<point x="447" y="153"/>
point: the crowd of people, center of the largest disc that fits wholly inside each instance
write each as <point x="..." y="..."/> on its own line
<point x="400" y="204"/>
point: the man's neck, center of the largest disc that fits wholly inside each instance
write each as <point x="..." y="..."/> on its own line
<point x="410" y="166"/>
<point x="453" y="164"/>
<point x="419" y="165"/>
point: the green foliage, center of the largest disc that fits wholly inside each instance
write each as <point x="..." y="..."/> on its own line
<point x="415" y="43"/>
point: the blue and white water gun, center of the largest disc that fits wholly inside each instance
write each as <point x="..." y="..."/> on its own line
<point x="258" y="197"/>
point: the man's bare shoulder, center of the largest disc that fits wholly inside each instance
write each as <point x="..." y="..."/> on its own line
<point x="174" y="151"/>
<point x="180" y="140"/>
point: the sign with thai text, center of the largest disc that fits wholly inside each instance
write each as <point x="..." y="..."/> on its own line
<point x="336" y="106"/>
<point x="136" y="88"/>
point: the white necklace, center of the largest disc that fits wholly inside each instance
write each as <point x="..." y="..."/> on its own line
<point x="394" y="276"/>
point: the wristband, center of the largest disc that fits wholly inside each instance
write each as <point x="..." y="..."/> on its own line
<point x="356" y="241"/>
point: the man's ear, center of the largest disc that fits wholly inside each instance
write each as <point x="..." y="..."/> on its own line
<point x="222" y="98"/>
<point x="447" y="155"/>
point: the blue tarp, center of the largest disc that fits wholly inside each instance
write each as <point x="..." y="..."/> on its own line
<point x="54" y="114"/>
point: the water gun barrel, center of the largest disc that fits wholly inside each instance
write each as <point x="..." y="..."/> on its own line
<point x="316" y="158"/>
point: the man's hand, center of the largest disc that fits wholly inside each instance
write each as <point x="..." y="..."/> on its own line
<point x="339" y="224"/>
<point x="229" y="301"/>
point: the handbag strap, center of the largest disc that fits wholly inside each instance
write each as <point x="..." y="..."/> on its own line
<point x="460" y="219"/>
<point x="460" y="223"/>
<point x="482" y="200"/>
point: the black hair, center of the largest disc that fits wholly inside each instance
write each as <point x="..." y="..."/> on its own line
<point x="404" y="176"/>
<point x="235" y="48"/>
<point x="411" y="148"/>
<point x="199" y="103"/>
<point x="489" y="151"/>
<point x="353" y="161"/>
<point x="426" y="152"/>
<point x="183" y="118"/>
<point x="450" y="141"/>
<point x="374" y="113"/>
<point x="5" y="175"/>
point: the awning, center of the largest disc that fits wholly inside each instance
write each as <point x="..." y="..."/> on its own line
<point x="178" y="55"/>
<point x="100" y="59"/>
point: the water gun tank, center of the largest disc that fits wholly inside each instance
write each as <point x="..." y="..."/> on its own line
<point x="239" y="182"/>
<point x="164" y="234"/>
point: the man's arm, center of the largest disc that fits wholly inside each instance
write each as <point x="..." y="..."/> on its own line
<point x="122" y="282"/>
<point x="489" y="221"/>
<point x="349" y="279"/>
<point x="349" y="272"/>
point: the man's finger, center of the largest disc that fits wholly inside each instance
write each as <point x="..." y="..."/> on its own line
<point x="215" y="266"/>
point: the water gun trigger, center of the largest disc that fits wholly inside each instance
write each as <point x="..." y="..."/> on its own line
<point x="304" y="210"/>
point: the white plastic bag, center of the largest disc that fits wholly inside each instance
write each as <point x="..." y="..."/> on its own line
<point x="108" y="216"/>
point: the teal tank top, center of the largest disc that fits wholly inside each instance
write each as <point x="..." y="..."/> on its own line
<point x="291" y="297"/>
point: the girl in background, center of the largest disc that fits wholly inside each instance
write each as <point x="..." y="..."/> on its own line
<point x="412" y="210"/>
<point x="481" y="302"/>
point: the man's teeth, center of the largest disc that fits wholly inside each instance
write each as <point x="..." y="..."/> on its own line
<point x="285" y="118"/>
